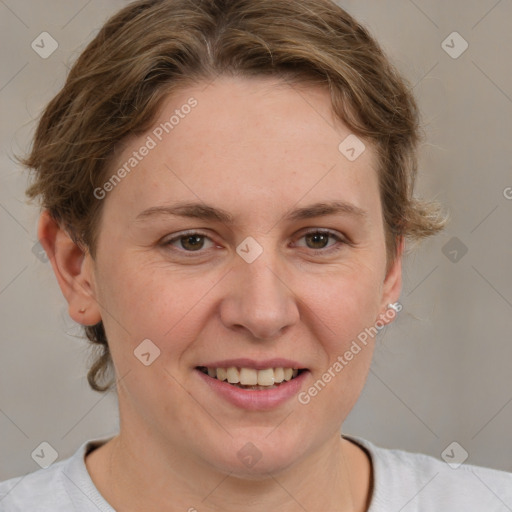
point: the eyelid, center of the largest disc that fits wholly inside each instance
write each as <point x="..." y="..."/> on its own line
<point x="328" y="231"/>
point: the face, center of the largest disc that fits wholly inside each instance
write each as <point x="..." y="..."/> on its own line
<point x="272" y="281"/>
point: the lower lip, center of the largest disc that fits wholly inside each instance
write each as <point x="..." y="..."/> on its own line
<point x="251" y="399"/>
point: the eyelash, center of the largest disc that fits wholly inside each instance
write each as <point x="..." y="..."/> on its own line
<point x="329" y="250"/>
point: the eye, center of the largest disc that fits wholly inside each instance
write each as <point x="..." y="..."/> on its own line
<point x="192" y="241"/>
<point x="318" y="240"/>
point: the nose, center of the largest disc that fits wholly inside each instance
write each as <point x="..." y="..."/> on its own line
<point x="259" y="299"/>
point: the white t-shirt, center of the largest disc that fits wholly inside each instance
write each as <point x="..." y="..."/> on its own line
<point x="403" y="481"/>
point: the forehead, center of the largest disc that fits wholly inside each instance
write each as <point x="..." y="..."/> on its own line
<point x="248" y="143"/>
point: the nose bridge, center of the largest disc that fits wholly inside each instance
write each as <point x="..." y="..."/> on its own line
<point x="264" y="285"/>
<point x="259" y="298"/>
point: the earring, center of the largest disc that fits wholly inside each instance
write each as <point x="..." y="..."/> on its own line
<point x="81" y="310"/>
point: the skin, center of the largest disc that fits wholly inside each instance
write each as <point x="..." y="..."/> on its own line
<point x="257" y="148"/>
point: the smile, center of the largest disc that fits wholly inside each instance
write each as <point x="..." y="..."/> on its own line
<point x="251" y="378"/>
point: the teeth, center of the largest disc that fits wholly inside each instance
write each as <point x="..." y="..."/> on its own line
<point x="233" y="375"/>
<point x="266" y="377"/>
<point x="269" y="377"/>
<point x="278" y="375"/>
<point x="248" y="376"/>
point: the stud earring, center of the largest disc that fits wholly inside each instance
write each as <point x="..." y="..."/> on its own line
<point x="81" y="310"/>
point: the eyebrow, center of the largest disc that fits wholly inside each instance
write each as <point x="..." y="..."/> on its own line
<point x="207" y="212"/>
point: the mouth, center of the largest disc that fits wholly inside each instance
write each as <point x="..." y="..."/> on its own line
<point x="251" y="378"/>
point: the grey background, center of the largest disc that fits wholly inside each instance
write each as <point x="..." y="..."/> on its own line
<point x="442" y="371"/>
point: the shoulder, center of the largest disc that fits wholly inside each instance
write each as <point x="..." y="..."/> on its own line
<point x="63" y="486"/>
<point x="31" y="491"/>
<point x="417" y="482"/>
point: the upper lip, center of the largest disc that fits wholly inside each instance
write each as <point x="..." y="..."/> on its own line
<point x="257" y="365"/>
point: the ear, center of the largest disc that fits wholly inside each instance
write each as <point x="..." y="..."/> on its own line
<point x="73" y="268"/>
<point x="392" y="286"/>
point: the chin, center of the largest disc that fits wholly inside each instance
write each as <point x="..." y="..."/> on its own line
<point x="260" y="470"/>
<point x="253" y="457"/>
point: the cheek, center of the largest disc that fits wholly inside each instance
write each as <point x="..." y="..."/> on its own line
<point x="146" y="301"/>
<point x="345" y="301"/>
<point x="346" y="315"/>
<point x="345" y="308"/>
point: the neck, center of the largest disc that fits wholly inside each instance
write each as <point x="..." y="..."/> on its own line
<point x="137" y="473"/>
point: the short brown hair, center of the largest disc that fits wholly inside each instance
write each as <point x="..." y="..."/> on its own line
<point x="154" y="47"/>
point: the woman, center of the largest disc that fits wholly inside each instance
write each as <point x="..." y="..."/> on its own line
<point x="227" y="187"/>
